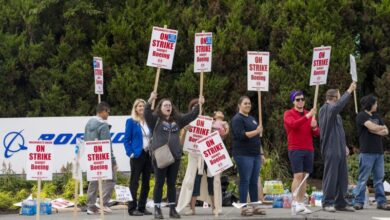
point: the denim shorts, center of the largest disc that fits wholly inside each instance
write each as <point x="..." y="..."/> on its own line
<point x="301" y="161"/>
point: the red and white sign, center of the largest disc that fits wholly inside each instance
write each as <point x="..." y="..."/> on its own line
<point x="98" y="72"/>
<point x="98" y="159"/>
<point x="162" y="48"/>
<point x="214" y="153"/>
<point x="258" y="71"/>
<point x="199" y="128"/>
<point x="39" y="161"/>
<point x="320" y="65"/>
<point x="203" y="52"/>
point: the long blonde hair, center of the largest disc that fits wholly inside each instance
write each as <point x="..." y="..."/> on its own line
<point x="134" y="114"/>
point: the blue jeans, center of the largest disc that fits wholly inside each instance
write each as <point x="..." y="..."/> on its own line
<point x="371" y="163"/>
<point x="248" y="170"/>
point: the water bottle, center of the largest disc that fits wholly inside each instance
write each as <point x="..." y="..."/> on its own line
<point x="293" y="207"/>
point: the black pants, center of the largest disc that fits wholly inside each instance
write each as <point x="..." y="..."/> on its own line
<point x="141" y="165"/>
<point x="169" y="173"/>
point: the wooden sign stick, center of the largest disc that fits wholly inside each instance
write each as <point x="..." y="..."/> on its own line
<point x="101" y="198"/>
<point x="260" y="113"/>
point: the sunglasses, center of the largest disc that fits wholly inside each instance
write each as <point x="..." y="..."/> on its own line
<point x="300" y="99"/>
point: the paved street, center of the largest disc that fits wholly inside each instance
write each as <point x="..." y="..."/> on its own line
<point x="229" y="213"/>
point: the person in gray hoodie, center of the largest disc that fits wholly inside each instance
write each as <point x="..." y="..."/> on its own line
<point x="97" y="128"/>
<point x="166" y="122"/>
<point x="334" y="150"/>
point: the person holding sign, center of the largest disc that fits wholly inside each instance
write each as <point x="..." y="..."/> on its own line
<point x="166" y="122"/>
<point x="137" y="140"/>
<point x="246" y="152"/>
<point x="300" y="126"/>
<point x="97" y="128"/>
<point x="198" y="183"/>
<point x="371" y="131"/>
<point x="334" y="150"/>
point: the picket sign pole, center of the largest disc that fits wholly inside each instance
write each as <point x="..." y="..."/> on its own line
<point x="76" y="196"/>
<point x="156" y="81"/>
<point x="260" y="115"/>
<point x="201" y="88"/>
<point x="39" y="199"/>
<point x="101" y="198"/>
<point x="355" y="98"/>
<point x="316" y="96"/>
<point x="99" y="99"/>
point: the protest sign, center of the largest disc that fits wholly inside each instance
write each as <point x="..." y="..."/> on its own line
<point x="320" y="65"/>
<point x="214" y="153"/>
<point x="162" y="48"/>
<point x="353" y="73"/>
<point x="258" y="71"/>
<point x="98" y="160"/>
<point x="161" y="51"/>
<point x="39" y="161"/>
<point x="197" y="129"/>
<point x="319" y="69"/>
<point x="203" y="49"/>
<point x="98" y="72"/>
<point x="123" y="193"/>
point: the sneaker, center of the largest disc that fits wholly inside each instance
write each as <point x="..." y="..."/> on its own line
<point x="358" y="206"/>
<point x="146" y="212"/>
<point x="345" y="209"/>
<point x="92" y="211"/>
<point x="106" y="209"/>
<point x="136" y="213"/>
<point x="383" y="207"/>
<point x="301" y="209"/>
<point x="329" y="209"/>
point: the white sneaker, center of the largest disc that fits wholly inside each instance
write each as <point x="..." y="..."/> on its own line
<point x="301" y="209"/>
<point x="92" y="212"/>
<point x="106" y="209"/>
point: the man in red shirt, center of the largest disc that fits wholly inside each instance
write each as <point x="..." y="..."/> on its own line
<point x="300" y="126"/>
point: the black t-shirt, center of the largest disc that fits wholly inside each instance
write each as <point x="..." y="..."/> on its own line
<point x="242" y="145"/>
<point x="369" y="142"/>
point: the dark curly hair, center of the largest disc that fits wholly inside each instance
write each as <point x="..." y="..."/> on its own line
<point x="175" y="114"/>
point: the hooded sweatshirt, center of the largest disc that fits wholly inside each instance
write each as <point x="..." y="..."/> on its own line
<point x="98" y="129"/>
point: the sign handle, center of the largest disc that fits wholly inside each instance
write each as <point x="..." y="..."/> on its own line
<point x="156" y="81"/>
<point x="355" y="98"/>
<point x="260" y="113"/>
<point x="201" y="91"/>
<point x="101" y="198"/>
<point x="76" y="196"/>
<point x="38" y="216"/>
<point x="201" y="88"/>
<point x="156" y="85"/>
<point x="99" y="99"/>
<point x="316" y="96"/>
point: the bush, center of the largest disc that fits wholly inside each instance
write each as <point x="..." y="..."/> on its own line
<point x="6" y="201"/>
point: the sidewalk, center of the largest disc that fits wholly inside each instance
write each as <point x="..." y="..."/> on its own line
<point x="229" y="213"/>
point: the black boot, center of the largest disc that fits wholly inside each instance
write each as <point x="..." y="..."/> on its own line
<point x="157" y="212"/>
<point x="172" y="212"/>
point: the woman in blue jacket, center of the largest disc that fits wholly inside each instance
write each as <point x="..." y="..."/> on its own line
<point x="137" y="139"/>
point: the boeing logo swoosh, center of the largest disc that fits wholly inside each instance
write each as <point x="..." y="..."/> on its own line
<point x="13" y="142"/>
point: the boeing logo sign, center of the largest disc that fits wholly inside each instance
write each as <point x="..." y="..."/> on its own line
<point x="15" y="133"/>
<point x="13" y="142"/>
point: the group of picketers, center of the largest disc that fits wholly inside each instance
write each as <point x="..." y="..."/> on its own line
<point x="149" y="129"/>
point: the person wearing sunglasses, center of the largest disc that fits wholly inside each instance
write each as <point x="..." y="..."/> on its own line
<point x="301" y="126"/>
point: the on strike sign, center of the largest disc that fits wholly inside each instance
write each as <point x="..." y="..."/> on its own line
<point x="98" y="72"/>
<point x="98" y="160"/>
<point x="203" y="52"/>
<point x="198" y="128"/>
<point x="214" y="153"/>
<point x="258" y="71"/>
<point x="40" y="158"/>
<point x="320" y="65"/>
<point x="162" y="48"/>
